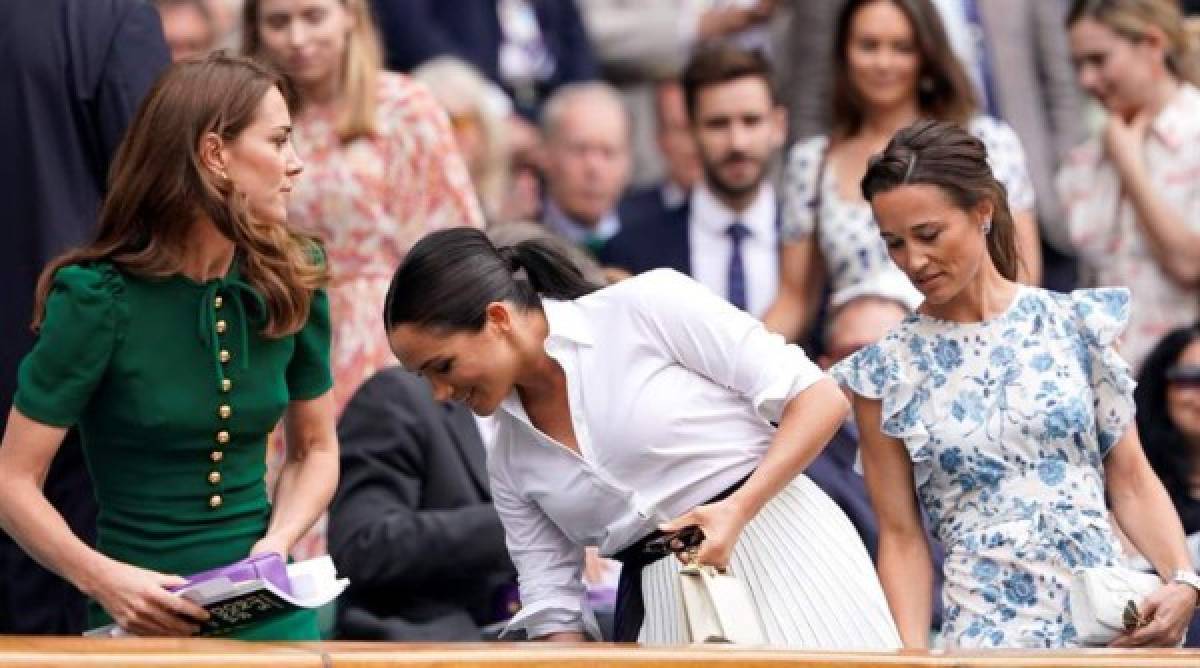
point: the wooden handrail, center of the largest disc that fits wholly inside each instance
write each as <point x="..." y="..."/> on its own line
<point x="202" y="653"/>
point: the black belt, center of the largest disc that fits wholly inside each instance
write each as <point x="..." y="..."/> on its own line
<point x="630" y="609"/>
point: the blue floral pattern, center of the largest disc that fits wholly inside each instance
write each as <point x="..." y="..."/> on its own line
<point x="1007" y="423"/>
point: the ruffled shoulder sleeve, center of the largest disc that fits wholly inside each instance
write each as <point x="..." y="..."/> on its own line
<point x="84" y="323"/>
<point x="888" y="372"/>
<point x="800" y="188"/>
<point x="1101" y="315"/>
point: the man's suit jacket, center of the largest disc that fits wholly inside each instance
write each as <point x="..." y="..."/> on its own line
<point x="415" y="31"/>
<point x="412" y="524"/>
<point x="651" y="236"/>
<point x="73" y="73"/>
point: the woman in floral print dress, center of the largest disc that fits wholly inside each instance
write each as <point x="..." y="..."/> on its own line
<point x="1002" y="412"/>
<point x="381" y="170"/>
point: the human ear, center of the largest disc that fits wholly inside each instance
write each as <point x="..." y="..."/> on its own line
<point x="499" y="314"/>
<point x="212" y="154"/>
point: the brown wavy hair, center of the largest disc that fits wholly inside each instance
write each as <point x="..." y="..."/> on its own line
<point x="158" y="188"/>
<point x="945" y="91"/>
<point x="943" y="154"/>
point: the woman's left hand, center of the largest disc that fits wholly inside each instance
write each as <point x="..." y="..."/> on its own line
<point x="722" y="523"/>
<point x="269" y="543"/>
<point x="1168" y="611"/>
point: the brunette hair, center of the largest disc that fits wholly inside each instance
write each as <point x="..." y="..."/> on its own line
<point x="450" y="276"/>
<point x="944" y="91"/>
<point x="943" y="154"/>
<point x="1131" y="18"/>
<point x="722" y="63"/>
<point x="158" y="187"/>
<point x="1165" y="445"/>
<point x="361" y="65"/>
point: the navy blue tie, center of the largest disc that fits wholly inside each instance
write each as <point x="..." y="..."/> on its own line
<point x="737" y="269"/>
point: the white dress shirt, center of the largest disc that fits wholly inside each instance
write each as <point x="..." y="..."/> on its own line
<point x="671" y="392"/>
<point x="711" y="246"/>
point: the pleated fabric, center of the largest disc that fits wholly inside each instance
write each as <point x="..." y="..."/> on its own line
<point x="807" y="572"/>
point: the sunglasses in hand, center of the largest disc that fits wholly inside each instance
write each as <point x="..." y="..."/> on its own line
<point x="676" y="542"/>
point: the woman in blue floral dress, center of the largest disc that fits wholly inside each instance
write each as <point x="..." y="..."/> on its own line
<point x="1003" y="412"/>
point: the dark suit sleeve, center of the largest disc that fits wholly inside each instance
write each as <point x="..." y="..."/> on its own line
<point x="412" y="35"/>
<point x="378" y="533"/>
<point x="576" y="60"/>
<point x="137" y="56"/>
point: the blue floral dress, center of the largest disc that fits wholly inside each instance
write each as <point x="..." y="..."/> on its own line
<point x="1007" y="423"/>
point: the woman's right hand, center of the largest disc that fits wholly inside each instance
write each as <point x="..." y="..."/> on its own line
<point x="137" y="600"/>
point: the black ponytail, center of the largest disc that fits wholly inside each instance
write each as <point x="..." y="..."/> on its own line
<point x="449" y="277"/>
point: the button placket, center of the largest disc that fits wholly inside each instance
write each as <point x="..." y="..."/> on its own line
<point x="224" y="412"/>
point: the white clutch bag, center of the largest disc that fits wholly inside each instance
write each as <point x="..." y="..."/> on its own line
<point x="1107" y="601"/>
<point x="717" y="607"/>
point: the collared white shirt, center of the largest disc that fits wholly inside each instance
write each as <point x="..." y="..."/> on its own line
<point x="1108" y="237"/>
<point x="671" y="392"/>
<point x="711" y="246"/>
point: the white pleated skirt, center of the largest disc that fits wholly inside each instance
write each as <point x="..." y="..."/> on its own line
<point x="807" y="571"/>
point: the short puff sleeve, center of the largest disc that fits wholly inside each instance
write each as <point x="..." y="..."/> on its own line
<point x="800" y="188"/>
<point x="880" y="371"/>
<point x="84" y="323"/>
<point x="1101" y="314"/>
<point x="308" y="373"/>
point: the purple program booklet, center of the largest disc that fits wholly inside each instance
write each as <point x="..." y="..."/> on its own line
<point x="268" y="566"/>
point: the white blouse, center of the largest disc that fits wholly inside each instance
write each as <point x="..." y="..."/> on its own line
<point x="1105" y="230"/>
<point x="671" y="392"/>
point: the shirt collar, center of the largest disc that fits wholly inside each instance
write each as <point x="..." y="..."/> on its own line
<point x="1172" y="123"/>
<point x="711" y="213"/>
<point x="577" y="233"/>
<point x="566" y="322"/>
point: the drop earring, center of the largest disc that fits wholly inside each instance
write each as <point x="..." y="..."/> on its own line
<point x="987" y="227"/>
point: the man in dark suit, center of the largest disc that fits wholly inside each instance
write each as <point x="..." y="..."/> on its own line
<point x="73" y="72"/>
<point x="412" y="525"/>
<point x="673" y="135"/>
<point x="725" y="234"/>
<point x="528" y="66"/>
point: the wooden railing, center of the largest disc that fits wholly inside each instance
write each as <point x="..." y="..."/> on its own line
<point x="197" y="653"/>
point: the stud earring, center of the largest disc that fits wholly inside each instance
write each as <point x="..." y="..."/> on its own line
<point x="987" y="227"/>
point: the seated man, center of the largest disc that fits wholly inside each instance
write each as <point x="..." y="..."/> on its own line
<point x="412" y="524"/>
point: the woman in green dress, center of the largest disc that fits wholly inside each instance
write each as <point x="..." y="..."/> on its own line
<point x="175" y="341"/>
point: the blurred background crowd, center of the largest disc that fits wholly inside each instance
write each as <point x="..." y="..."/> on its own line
<point x="574" y="120"/>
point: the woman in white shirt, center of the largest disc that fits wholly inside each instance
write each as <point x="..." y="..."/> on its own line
<point x="628" y="410"/>
<point x="1132" y="194"/>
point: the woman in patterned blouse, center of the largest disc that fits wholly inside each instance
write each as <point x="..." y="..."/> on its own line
<point x="893" y="65"/>
<point x="382" y="168"/>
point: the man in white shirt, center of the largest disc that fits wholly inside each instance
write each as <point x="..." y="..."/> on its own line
<point x="726" y="237"/>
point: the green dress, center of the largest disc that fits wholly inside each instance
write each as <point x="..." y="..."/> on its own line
<point x="174" y="390"/>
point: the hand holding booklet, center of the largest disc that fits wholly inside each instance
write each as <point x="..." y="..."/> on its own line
<point x="253" y="590"/>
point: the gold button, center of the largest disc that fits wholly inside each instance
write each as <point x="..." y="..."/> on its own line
<point x="214" y="501"/>
<point x="222" y="437"/>
<point x="221" y="326"/>
<point x="226" y="385"/>
<point x="225" y="412"/>
<point x="214" y="478"/>
<point x="216" y="455"/>
<point x="223" y="356"/>
<point x="513" y="607"/>
<point x="218" y="301"/>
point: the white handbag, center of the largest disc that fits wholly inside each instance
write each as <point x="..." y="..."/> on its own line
<point x="1107" y="601"/>
<point x="717" y="607"/>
